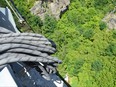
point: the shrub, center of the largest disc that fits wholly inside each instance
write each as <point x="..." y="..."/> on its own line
<point x="49" y="24"/>
<point x="88" y="34"/>
<point x="97" y="66"/>
<point x="111" y="50"/>
<point x="78" y="64"/>
<point x="102" y="25"/>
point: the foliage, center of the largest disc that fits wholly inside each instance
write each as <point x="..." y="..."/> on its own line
<point x="80" y="33"/>
<point x="102" y="25"/>
<point x="96" y="66"/>
<point x="74" y="81"/>
<point x="111" y="50"/>
<point x="33" y="21"/>
<point x="114" y="34"/>
<point x="85" y="45"/>
<point x="49" y="24"/>
<point x="3" y="3"/>
<point x="88" y="34"/>
<point x="77" y="67"/>
<point x="36" y="23"/>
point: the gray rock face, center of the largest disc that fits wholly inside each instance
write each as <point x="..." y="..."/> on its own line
<point x="110" y="20"/>
<point x="51" y="7"/>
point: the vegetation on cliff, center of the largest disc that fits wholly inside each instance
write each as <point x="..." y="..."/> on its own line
<point x="85" y="44"/>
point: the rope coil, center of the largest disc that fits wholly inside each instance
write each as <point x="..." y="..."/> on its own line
<point x="28" y="47"/>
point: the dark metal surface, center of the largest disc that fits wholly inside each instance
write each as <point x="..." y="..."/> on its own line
<point x="29" y="56"/>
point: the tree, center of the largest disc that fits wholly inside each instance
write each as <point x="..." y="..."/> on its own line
<point x="49" y="24"/>
<point x="102" y="25"/>
<point x="97" y="66"/>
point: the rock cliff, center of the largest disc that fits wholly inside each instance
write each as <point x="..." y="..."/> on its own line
<point x="51" y="7"/>
<point x="110" y="19"/>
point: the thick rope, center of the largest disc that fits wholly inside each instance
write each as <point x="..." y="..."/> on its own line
<point x="42" y="48"/>
<point x="15" y="47"/>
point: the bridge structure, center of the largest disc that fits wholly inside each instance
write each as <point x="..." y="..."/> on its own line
<point x="25" y="58"/>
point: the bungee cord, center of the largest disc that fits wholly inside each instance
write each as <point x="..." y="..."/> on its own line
<point x="27" y="47"/>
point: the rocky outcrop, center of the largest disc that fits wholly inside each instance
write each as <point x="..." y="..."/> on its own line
<point x="51" y="7"/>
<point x="110" y="19"/>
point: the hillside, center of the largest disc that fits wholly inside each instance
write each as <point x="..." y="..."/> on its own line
<point x="84" y="42"/>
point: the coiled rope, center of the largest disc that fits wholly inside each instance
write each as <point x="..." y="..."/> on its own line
<point x="17" y="47"/>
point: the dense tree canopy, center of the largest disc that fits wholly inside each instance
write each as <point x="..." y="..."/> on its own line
<point x="85" y="44"/>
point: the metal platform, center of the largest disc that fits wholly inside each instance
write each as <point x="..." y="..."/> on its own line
<point x="19" y="74"/>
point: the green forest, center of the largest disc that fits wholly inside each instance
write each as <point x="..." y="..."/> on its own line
<point x="84" y="43"/>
